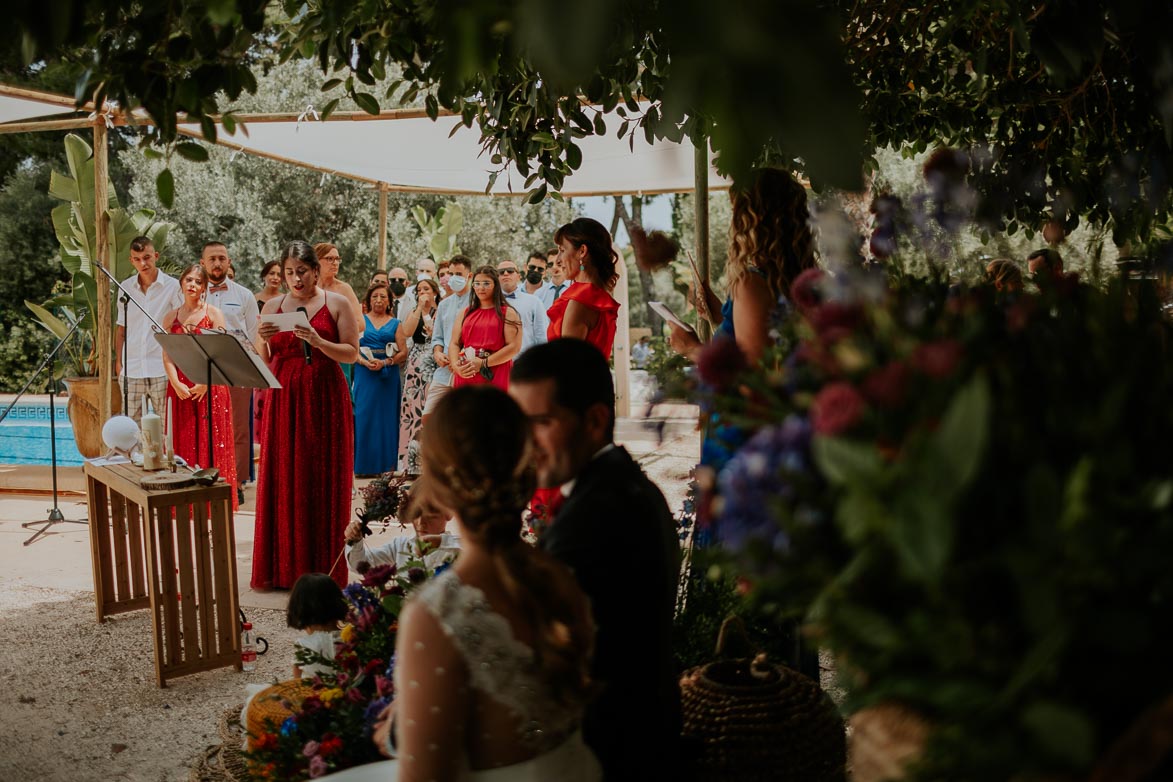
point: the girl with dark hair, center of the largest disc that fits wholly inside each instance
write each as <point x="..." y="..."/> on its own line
<point x="486" y="335"/>
<point x="586" y="309"/>
<point x="316" y="605"/>
<point x="271" y="280"/>
<point x="493" y="655"/>
<point x="189" y="407"/>
<point x="307" y="433"/>
<point x="376" y="387"/>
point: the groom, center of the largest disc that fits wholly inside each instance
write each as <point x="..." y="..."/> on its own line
<point x="615" y="532"/>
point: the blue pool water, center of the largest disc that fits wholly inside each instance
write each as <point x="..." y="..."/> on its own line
<point x="24" y="434"/>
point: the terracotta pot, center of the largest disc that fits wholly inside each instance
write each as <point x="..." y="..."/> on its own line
<point x="85" y="414"/>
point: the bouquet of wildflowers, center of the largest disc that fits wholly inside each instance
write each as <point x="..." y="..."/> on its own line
<point x="331" y="729"/>
<point x="963" y="495"/>
<point x="384" y="497"/>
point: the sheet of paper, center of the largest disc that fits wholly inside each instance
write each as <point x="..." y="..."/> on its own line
<point x="104" y="461"/>
<point x="285" y="321"/>
<point x="668" y="315"/>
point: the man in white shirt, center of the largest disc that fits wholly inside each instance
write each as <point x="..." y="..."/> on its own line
<point x="137" y="356"/>
<point x="460" y="269"/>
<point x="240" y="314"/>
<point x="533" y="315"/>
<point x="558" y="282"/>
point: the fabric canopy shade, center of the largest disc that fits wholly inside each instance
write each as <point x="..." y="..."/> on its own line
<point x="414" y="153"/>
<point x="17" y="104"/>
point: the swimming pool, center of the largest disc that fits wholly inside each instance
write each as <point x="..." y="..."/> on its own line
<point x="24" y="434"/>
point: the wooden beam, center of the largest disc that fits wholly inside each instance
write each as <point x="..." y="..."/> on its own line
<point x="43" y="97"/>
<point x="383" y="228"/>
<point x="102" y="248"/>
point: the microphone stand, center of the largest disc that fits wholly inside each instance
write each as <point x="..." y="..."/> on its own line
<point x="55" y="515"/>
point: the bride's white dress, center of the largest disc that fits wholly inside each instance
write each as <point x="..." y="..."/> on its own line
<point x="502" y="671"/>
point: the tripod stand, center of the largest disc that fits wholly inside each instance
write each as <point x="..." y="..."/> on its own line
<point x="55" y="515"/>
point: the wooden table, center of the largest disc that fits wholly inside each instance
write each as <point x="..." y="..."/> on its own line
<point x="173" y="552"/>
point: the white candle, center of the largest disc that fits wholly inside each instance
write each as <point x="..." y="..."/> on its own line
<point x="152" y="442"/>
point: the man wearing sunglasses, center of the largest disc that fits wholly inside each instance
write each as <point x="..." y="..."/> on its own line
<point x="535" y="273"/>
<point x="533" y="315"/>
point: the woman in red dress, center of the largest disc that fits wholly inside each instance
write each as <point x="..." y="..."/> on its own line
<point x="189" y="407"/>
<point x="586" y="310"/>
<point x="307" y="433"/>
<point x="486" y="335"/>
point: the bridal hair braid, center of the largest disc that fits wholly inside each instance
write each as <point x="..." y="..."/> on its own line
<point x="476" y="459"/>
<point x="771" y="230"/>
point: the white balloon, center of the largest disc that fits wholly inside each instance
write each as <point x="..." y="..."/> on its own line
<point x="120" y="433"/>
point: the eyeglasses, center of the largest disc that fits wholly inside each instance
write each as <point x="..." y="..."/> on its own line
<point x="332" y="258"/>
<point x="507" y="271"/>
<point x="535" y="268"/>
<point x="398" y="279"/>
<point x="482" y="284"/>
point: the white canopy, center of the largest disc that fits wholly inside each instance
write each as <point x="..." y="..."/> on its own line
<point x="403" y="151"/>
<point x="17" y="104"/>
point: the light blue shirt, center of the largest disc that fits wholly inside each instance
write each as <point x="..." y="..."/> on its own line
<point x="548" y="294"/>
<point x="446" y="313"/>
<point x="533" y="318"/>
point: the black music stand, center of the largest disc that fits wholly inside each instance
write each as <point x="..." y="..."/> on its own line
<point x="216" y="359"/>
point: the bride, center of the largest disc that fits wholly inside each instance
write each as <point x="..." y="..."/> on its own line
<point x="493" y="655"/>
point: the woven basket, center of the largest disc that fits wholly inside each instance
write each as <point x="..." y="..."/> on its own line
<point x="273" y="705"/>
<point x="751" y="720"/>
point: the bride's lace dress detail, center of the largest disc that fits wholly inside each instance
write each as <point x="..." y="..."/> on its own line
<point x="499" y="665"/>
<point x="516" y="729"/>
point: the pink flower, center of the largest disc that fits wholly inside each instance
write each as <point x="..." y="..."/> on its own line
<point x="837" y="408"/>
<point x="835" y="316"/>
<point x="937" y="359"/>
<point x="384" y="685"/>
<point x="887" y="386"/>
<point x="310" y="749"/>
<point x="318" y="767"/>
<point x="804" y="290"/>
<point x="720" y="362"/>
<point x="354" y="695"/>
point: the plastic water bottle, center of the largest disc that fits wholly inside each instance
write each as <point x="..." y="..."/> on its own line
<point x="248" y="649"/>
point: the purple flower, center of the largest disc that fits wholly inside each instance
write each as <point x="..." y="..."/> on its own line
<point x="317" y="767"/>
<point x="359" y="596"/>
<point x="310" y="749"/>
<point x="720" y="362"/>
<point x="377" y="576"/>
<point x="760" y="476"/>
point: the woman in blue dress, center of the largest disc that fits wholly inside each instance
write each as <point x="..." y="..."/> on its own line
<point x="376" y="387"/>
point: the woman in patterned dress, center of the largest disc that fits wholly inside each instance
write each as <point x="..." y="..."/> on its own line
<point x="415" y="332"/>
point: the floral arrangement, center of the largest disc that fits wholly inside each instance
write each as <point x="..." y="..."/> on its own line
<point x="331" y="729"/>
<point x="968" y="498"/>
<point x="383" y="498"/>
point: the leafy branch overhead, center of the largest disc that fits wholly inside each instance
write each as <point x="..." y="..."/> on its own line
<point x="772" y="78"/>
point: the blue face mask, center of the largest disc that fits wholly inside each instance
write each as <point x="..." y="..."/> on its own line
<point x="457" y="283"/>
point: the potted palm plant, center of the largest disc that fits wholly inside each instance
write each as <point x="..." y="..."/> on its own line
<point x="74" y="222"/>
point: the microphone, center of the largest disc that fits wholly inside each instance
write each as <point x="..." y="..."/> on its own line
<point x="305" y="346"/>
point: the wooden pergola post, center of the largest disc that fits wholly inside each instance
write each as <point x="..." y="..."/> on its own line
<point x="701" y="211"/>
<point x="102" y="256"/>
<point x="382" y="227"/>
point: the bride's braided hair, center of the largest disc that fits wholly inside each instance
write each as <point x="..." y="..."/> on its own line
<point x="476" y="456"/>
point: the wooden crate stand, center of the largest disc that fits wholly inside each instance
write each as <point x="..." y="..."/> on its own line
<point x="173" y="552"/>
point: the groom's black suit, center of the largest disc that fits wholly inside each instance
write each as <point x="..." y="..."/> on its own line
<point x="616" y="533"/>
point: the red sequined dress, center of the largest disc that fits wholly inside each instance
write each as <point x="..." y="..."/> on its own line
<point x="191" y="422"/>
<point x="484" y="329"/>
<point x="602" y="334"/>
<point x="307" y="456"/>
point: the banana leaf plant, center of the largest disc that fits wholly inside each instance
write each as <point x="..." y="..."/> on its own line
<point x="440" y="229"/>
<point x="75" y="223"/>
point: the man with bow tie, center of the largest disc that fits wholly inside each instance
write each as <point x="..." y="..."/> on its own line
<point x="240" y="314"/>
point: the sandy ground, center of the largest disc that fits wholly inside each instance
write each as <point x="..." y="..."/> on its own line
<point x="78" y="699"/>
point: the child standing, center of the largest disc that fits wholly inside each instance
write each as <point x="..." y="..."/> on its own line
<point x="316" y="606"/>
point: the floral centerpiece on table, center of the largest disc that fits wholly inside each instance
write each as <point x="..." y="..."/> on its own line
<point x="968" y="498"/>
<point x="331" y="729"/>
